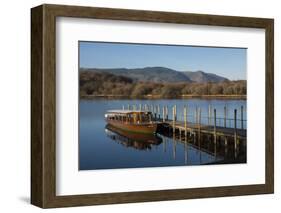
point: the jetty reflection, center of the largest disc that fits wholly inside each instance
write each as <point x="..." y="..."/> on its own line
<point x="198" y="149"/>
<point x="208" y="150"/>
<point x="130" y="139"/>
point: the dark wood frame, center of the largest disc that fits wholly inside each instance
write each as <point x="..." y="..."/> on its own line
<point x="43" y="105"/>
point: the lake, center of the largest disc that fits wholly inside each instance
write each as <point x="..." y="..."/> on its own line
<point x="101" y="147"/>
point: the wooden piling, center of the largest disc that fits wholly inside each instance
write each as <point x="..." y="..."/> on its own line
<point x="180" y="134"/>
<point x="242" y="127"/>
<point x="123" y="107"/>
<point x="209" y="115"/>
<point x="163" y="111"/>
<point x="215" y="126"/>
<point x="224" y="116"/>
<point x="199" y="120"/>
<point x="195" y="115"/>
<point x="175" y="112"/>
<point x="173" y="120"/>
<point x="158" y="111"/>
<point x="235" y="129"/>
<point x="185" y="120"/>
<point x="199" y="128"/>
<point x="167" y="113"/>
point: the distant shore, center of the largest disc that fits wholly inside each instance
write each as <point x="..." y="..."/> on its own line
<point x="110" y="86"/>
<point x="160" y="97"/>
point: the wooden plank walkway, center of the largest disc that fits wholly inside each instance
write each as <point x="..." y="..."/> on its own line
<point x="207" y="129"/>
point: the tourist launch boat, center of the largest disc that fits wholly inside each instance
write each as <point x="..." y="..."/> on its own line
<point x="132" y="120"/>
<point x="132" y="139"/>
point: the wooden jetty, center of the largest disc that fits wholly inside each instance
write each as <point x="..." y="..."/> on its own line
<point x="190" y="122"/>
<point x="214" y="125"/>
<point x="220" y="132"/>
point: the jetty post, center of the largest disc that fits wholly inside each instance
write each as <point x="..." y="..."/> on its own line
<point x="224" y="108"/>
<point x="199" y="126"/>
<point x="215" y="126"/>
<point x="163" y="111"/>
<point x="199" y="120"/>
<point x="242" y="127"/>
<point x="209" y="114"/>
<point x="158" y="111"/>
<point x="167" y="113"/>
<point x="235" y="129"/>
<point x="175" y="112"/>
<point x="196" y="115"/>
<point x="173" y="120"/>
<point x="123" y="107"/>
<point x="128" y="106"/>
<point x="154" y="111"/>
<point x="185" y="120"/>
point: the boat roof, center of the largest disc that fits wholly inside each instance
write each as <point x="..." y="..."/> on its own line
<point x="126" y="111"/>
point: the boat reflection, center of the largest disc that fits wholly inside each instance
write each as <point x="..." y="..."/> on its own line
<point x="130" y="139"/>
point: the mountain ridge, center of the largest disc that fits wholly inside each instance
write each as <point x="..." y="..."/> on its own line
<point x="161" y="74"/>
<point x="204" y="77"/>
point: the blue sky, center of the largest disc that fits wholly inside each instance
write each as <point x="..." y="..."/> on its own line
<point x="227" y="62"/>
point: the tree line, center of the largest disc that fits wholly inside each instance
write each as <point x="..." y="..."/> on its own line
<point x="106" y="84"/>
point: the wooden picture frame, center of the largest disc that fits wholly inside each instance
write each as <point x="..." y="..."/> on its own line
<point x="43" y="105"/>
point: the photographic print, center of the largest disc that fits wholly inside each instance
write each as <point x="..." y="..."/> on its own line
<point x="156" y="105"/>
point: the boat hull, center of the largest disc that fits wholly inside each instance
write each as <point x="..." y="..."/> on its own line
<point x="132" y="139"/>
<point x="147" y="128"/>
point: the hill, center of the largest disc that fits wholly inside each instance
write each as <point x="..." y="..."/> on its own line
<point x="103" y="84"/>
<point x="161" y="75"/>
<point x="147" y="74"/>
<point x="202" y="77"/>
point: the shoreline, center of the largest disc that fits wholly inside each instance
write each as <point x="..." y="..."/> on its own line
<point x="157" y="97"/>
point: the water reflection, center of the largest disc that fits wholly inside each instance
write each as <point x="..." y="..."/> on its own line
<point x="220" y="149"/>
<point x="206" y="150"/>
<point x="134" y="140"/>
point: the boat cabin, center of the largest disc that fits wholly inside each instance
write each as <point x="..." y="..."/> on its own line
<point x="129" y="116"/>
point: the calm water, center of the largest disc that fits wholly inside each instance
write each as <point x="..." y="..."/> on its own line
<point x="101" y="147"/>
